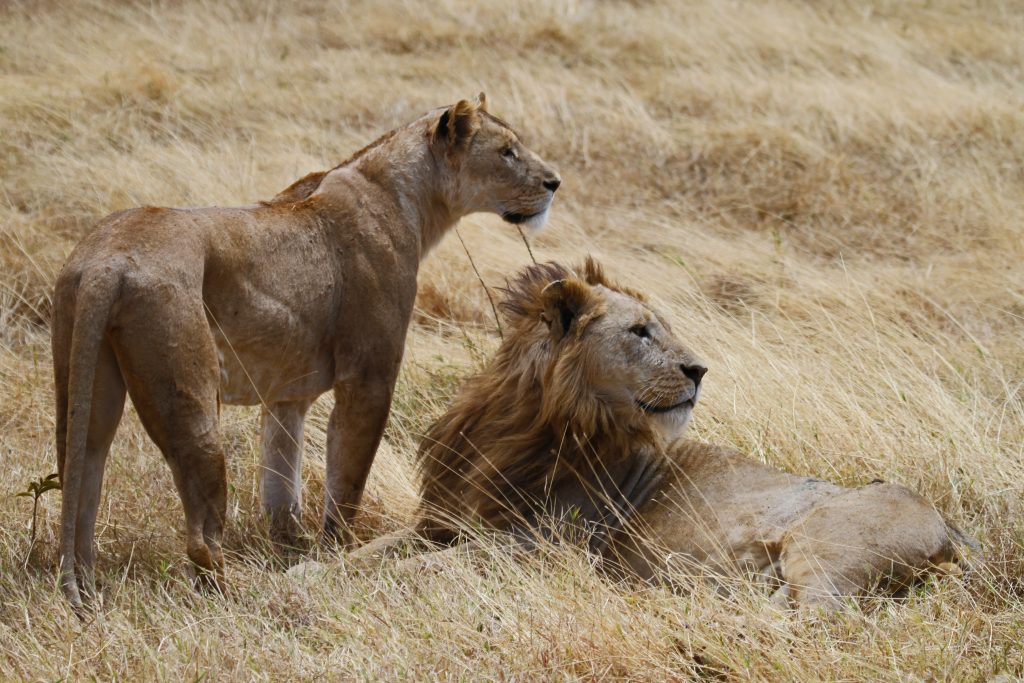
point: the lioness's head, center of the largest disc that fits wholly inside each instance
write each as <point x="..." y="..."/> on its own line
<point x="491" y="169"/>
<point x="611" y="358"/>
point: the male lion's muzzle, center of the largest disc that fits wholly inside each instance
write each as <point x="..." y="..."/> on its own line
<point x="678" y="397"/>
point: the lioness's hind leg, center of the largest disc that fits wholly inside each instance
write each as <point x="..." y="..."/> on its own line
<point x="211" y="500"/>
<point x="174" y="389"/>
<point x="107" y="407"/>
<point x="197" y="463"/>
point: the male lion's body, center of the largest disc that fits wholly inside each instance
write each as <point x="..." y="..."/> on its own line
<point x="575" y="420"/>
<point x="270" y="304"/>
<point x="720" y="512"/>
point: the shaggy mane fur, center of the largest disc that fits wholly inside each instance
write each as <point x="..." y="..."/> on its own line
<point x="526" y="423"/>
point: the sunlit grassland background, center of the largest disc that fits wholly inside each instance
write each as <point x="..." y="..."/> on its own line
<point x="825" y="199"/>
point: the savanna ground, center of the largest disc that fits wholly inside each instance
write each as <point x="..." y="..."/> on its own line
<point x="826" y="199"/>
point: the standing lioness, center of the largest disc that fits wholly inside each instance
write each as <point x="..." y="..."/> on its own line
<point x="271" y="304"/>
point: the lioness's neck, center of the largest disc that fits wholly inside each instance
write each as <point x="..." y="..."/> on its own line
<point x="402" y="164"/>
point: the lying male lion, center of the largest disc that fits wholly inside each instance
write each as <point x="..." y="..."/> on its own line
<point x="272" y="305"/>
<point x="577" y="419"/>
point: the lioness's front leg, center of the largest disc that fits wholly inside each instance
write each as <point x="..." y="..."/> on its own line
<point x="353" y="434"/>
<point x="367" y="359"/>
<point x="282" y="468"/>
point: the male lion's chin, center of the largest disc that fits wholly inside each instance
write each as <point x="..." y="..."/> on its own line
<point x="673" y="423"/>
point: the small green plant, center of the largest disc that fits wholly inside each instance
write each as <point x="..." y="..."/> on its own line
<point x="36" y="489"/>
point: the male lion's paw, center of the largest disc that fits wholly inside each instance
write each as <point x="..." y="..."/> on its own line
<point x="373" y="555"/>
<point x="436" y="562"/>
<point x="308" y="571"/>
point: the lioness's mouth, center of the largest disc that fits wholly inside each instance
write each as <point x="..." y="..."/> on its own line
<point x="517" y="218"/>
<point x="651" y="408"/>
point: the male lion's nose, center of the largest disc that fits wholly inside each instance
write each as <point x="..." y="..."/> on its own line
<point x="695" y="372"/>
<point x="552" y="183"/>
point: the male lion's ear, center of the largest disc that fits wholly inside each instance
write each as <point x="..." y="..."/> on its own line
<point x="563" y="302"/>
<point x="458" y="123"/>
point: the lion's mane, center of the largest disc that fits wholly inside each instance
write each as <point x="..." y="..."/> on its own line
<point x="529" y="421"/>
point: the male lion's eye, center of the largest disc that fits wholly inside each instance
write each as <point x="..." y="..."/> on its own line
<point x="641" y="331"/>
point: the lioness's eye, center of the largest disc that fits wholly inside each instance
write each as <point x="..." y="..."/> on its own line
<point x="509" y="153"/>
<point x="641" y="331"/>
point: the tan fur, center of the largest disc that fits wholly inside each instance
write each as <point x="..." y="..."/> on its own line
<point x="551" y="413"/>
<point x="271" y="305"/>
<point x="811" y="541"/>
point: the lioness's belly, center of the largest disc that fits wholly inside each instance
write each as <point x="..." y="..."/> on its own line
<point x="271" y="319"/>
<point x="271" y="375"/>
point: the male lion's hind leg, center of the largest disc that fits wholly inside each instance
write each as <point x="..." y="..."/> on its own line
<point x="877" y="536"/>
<point x="174" y="389"/>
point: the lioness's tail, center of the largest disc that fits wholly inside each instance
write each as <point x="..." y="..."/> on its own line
<point x="94" y="297"/>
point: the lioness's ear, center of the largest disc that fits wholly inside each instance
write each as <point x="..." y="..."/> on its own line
<point x="564" y="301"/>
<point x="481" y="101"/>
<point x="458" y="123"/>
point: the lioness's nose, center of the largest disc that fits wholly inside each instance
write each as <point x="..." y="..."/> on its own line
<point x="552" y="183"/>
<point x="695" y="372"/>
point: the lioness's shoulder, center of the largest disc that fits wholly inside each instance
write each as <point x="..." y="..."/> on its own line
<point x="299" y="190"/>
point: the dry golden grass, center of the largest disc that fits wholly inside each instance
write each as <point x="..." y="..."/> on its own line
<point x="825" y="198"/>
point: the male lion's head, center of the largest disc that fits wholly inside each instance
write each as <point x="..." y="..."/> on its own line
<point x="613" y="362"/>
<point x="490" y="168"/>
<point x="588" y="376"/>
